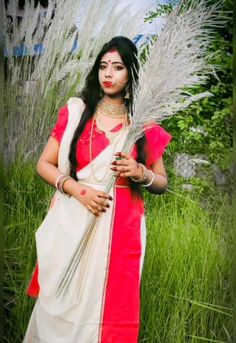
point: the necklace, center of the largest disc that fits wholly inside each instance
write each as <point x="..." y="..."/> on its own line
<point x="111" y="110"/>
<point x="109" y="134"/>
<point x="90" y="153"/>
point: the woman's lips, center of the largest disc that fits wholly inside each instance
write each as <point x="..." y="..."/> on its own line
<point x="108" y="84"/>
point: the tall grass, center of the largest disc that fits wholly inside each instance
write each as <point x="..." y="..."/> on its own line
<point x="186" y="281"/>
<point x="185" y="285"/>
<point x="26" y="202"/>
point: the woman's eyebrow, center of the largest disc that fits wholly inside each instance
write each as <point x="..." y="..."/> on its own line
<point x="115" y="62"/>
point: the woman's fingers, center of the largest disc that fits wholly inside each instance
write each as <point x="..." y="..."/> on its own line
<point x="91" y="209"/>
<point x="96" y="206"/>
<point x="123" y="155"/>
<point x="125" y="166"/>
<point x="102" y="202"/>
<point x="104" y="195"/>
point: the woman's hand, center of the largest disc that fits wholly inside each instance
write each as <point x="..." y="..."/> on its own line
<point x="127" y="166"/>
<point x="95" y="201"/>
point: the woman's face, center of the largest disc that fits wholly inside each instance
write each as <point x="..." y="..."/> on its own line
<point x="113" y="74"/>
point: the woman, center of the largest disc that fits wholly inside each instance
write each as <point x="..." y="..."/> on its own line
<point x="102" y="303"/>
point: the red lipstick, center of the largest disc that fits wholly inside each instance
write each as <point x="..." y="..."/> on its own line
<point x="107" y="84"/>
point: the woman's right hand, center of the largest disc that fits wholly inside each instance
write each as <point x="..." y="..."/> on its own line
<point x="95" y="201"/>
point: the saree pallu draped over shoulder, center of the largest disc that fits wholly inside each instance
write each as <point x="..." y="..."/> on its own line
<point x="102" y="304"/>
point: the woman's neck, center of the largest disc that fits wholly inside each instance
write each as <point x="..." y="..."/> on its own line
<point x="115" y="100"/>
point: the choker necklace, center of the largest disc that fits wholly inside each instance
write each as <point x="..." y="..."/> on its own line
<point x="111" y="110"/>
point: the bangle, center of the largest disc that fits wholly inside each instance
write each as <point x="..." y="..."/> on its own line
<point x="58" y="180"/>
<point x="152" y="179"/>
<point x="62" y="183"/>
<point x="143" y="178"/>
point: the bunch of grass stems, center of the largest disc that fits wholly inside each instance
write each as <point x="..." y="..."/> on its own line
<point x="37" y="85"/>
<point x="90" y="231"/>
<point x="186" y="286"/>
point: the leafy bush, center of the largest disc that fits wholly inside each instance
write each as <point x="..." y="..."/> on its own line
<point x="206" y="127"/>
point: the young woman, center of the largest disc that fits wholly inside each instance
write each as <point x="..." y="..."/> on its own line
<point x="102" y="303"/>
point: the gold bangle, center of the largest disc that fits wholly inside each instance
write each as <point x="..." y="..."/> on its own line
<point x="143" y="176"/>
<point x="61" y="183"/>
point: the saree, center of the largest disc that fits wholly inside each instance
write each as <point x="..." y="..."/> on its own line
<point x="102" y="304"/>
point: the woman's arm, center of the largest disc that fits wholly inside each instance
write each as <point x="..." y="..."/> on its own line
<point x="47" y="168"/>
<point x="160" y="181"/>
<point x="47" y="165"/>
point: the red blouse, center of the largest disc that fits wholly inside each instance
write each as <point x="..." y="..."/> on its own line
<point x="156" y="140"/>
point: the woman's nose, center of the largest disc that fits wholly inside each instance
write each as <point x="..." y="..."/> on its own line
<point x="108" y="72"/>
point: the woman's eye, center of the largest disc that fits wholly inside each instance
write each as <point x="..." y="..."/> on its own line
<point x="102" y="67"/>
<point x="119" y="68"/>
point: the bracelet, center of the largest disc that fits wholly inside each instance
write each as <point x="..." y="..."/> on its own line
<point x="143" y="178"/>
<point x="60" y="182"/>
<point x="152" y="179"/>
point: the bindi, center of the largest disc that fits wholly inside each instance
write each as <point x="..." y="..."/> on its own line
<point x="83" y="192"/>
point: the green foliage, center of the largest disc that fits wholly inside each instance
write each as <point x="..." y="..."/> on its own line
<point x="161" y="9"/>
<point x="184" y="271"/>
<point x="27" y="198"/>
<point x="206" y="127"/>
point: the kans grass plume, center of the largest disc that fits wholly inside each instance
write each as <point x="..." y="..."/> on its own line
<point x="177" y="62"/>
<point x="37" y="84"/>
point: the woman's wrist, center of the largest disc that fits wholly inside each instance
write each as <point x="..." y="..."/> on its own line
<point x="66" y="185"/>
<point x="158" y="185"/>
<point x="142" y="177"/>
<point x="139" y="174"/>
<point x="150" y="176"/>
<point x="147" y="178"/>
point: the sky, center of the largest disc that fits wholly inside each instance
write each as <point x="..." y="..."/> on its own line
<point x="145" y="6"/>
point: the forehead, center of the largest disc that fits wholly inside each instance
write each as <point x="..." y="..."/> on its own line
<point x="112" y="56"/>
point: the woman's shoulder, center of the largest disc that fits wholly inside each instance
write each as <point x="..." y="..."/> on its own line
<point x="157" y="139"/>
<point x="156" y="132"/>
<point x="75" y="101"/>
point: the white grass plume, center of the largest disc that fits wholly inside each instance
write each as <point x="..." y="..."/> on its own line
<point x="37" y="85"/>
<point x="177" y="62"/>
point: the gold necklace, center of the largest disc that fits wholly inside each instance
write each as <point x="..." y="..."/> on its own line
<point x="111" y="110"/>
<point x="90" y="154"/>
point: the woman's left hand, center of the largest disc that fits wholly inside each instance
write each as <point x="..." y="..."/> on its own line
<point x="127" y="166"/>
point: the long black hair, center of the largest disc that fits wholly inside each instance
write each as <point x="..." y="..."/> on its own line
<point x="91" y="95"/>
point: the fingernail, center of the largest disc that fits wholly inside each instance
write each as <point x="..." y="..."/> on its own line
<point x="114" y="163"/>
<point x="114" y="169"/>
<point x="103" y="210"/>
<point x="107" y="205"/>
<point x="110" y="198"/>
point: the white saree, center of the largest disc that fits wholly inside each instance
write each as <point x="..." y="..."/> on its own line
<point x="77" y="317"/>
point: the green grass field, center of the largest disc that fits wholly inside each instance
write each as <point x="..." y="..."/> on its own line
<point x="186" y="285"/>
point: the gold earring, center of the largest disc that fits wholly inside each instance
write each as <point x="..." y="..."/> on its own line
<point x="127" y="94"/>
